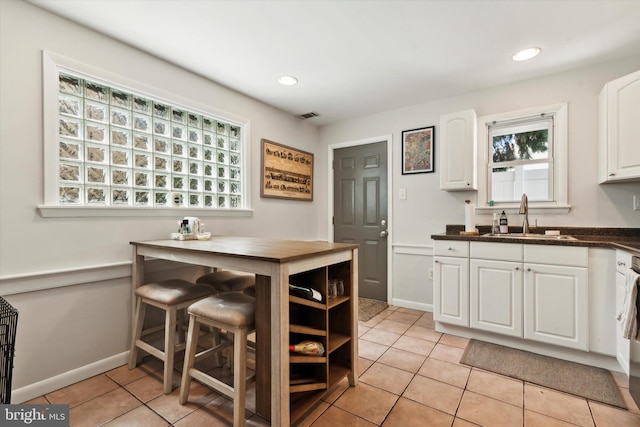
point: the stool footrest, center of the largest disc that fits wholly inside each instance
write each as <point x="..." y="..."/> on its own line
<point x="153" y="330"/>
<point x="211" y="382"/>
<point x="216" y="383"/>
<point x="212" y="351"/>
<point x="150" y="349"/>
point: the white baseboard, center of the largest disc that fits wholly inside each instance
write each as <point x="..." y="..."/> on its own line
<point x="411" y="304"/>
<point x="31" y="391"/>
<point x="572" y="355"/>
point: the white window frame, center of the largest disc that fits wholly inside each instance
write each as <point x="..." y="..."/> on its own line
<point x="53" y="64"/>
<point x="521" y="125"/>
<point x="559" y="204"/>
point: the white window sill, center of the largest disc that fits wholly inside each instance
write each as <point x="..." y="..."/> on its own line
<point x="54" y="211"/>
<point x="515" y="208"/>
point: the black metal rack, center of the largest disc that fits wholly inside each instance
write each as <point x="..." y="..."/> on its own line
<point x="8" y="326"/>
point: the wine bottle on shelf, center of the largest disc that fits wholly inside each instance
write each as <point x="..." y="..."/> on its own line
<point x="310" y="348"/>
<point x="305" y="292"/>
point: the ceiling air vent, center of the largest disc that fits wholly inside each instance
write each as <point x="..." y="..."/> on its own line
<point x="308" y="115"/>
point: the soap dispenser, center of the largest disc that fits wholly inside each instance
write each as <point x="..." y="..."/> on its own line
<point x="504" y="224"/>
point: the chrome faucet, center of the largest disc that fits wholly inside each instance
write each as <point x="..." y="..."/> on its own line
<point x="524" y="210"/>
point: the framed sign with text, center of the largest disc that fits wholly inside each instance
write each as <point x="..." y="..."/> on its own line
<point x="287" y="173"/>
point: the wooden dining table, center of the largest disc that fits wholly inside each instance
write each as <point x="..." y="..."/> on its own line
<point x="273" y="261"/>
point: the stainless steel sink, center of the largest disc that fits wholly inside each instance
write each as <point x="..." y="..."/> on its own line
<point x="530" y="236"/>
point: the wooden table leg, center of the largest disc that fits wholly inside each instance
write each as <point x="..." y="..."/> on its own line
<point x="263" y="346"/>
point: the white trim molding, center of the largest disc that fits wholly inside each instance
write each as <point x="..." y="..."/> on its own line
<point x="42" y="280"/>
<point x="31" y="391"/>
<point x="56" y="211"/>
<point x="560" y="204"/>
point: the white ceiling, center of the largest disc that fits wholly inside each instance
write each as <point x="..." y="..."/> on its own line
<point x="355" y="58"/>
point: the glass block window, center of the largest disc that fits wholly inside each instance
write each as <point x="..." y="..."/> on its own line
<point x="118" y="148"/>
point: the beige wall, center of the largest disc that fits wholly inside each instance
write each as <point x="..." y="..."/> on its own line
<point x="75" y="273"/>
<point x="70" y="277"/>
<point x="427" y="210"/>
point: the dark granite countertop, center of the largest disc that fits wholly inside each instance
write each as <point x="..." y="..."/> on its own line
<point x="605" y="237"/>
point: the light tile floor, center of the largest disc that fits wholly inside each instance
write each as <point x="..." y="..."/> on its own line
<point x="410" y="375"/>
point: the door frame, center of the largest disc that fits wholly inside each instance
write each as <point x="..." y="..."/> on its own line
<point x="389" y="140"/>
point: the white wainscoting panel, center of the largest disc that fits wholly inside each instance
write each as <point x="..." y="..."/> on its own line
<point x="412" y="284"/>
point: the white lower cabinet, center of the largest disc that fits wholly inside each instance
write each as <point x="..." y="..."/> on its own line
<point x="602" y="301"/>
<point x="451" y="282"/>
<point x="451" y="290"/>
<point x="556" y="305"/>
<point x="623" y="263"/>
<point x="496" y="296"/>
<point x="535" y="292"/>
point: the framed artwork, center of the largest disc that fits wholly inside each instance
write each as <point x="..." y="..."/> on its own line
<point x="287" y="173"/>
<point x="417" y="150"/>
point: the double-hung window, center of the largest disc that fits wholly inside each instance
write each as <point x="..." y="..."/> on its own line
<point x="521" y="159"/>
<point x="118" y="147"/>
<point x="523" y="152"/>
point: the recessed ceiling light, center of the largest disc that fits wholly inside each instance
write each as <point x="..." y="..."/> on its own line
<point x="287" y="80"/>
<point x="525" y="54"/>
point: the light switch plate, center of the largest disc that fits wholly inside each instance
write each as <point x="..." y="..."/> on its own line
<point x="402" y="194"/>
<point x="636" y="202"/>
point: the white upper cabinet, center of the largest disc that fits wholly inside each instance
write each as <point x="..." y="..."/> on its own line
<point x="458" y="140"/>
<point x="620" y="130"/>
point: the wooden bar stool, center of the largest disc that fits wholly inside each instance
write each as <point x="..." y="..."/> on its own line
<point x="228" y="281"/>
<point x="172" y="296"/>
<point x="233" y="312"/>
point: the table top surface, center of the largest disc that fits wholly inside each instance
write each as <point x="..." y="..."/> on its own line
<point x="273" y="250"/>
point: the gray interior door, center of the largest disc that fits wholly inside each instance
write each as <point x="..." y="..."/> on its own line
<point x="360" y="211"/>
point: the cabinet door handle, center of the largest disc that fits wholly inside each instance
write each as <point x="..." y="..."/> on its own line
<point x="436" y="261"/>
<point x="621" y="264"/>
<point x="612" y="174"/>
<point x="450" y="249"/>
<point x="528" y="269"/>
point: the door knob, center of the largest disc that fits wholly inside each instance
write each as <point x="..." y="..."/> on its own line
<point x="384" y="233"/>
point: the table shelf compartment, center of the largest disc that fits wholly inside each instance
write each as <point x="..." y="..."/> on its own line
<point x="298" y="388"/>
<point x="308" y="303"/>
<point x="336" y="340"/>
<point x="307" y="320"/>
<point x="330" y="323"/>
<point x="337" y="373"/>
<point x="341" y="271"/>
<point x="295" y="338"/>
<point x="315" y="279"/>
<point x="307" y="377"/>
<point x="302" y="402"/>
<point x="334" y="302"/>
<point x="339" y="319"/>
<point x="302" y="329"/>
<point x="295" y="358"/>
